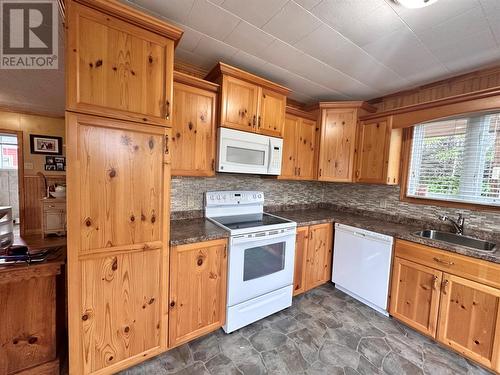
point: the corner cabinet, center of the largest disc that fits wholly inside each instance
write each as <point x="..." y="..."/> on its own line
<point x="452" y="298"/>
<point x="313" y="256"/>
<point x="378" y="152"/>
<point x="248" y="102"/>
<point x="119" y="62"/>
<point x="193" y="126"/>
<point x="198" y="274"/>
<point x="118" y="240"/>
<point x="299" y="146"/>
<point x="337" y="145"/>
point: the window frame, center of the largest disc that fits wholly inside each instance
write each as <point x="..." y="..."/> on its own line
<point x="405" y="176"/>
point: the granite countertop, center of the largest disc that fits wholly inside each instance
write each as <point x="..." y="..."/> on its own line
<point x="198" y="230"/>
<point x="194" y="230"/>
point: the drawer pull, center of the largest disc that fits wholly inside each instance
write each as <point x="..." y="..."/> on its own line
<point x="443" y="261"/>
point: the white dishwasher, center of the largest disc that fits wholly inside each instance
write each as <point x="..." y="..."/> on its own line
<point x="362" y="265"/>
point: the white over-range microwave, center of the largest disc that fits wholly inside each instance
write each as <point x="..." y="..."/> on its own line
<point x="242" y="152"/>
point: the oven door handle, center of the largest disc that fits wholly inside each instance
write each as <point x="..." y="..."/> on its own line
<point x="241" y="239"/>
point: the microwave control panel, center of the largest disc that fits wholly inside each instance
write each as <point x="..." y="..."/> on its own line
<point x="275" y="156"/>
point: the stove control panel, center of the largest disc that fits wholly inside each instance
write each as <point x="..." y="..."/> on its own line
<point x="233" y="198"/>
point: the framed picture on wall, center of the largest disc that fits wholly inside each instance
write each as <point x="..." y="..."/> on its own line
<point x="45" y="144"/>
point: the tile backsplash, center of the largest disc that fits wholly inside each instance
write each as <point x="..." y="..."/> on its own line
<point x="187" y="195"/>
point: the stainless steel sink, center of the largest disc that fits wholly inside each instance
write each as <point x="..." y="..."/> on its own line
<point x="457" y="239"/>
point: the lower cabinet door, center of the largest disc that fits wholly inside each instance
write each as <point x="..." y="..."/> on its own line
<point x="415" y="295"/>
<point x="299" y="274"/>
<point x="198" y="274"/>
<point x="120" y="312"/>
<point x="469" y="320"/>
<point x="319" y="255"/>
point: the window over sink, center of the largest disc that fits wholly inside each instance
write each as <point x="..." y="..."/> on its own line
<point x="456" y="160"/>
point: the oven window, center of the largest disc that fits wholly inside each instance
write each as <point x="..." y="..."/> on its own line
<point x="263" y="260"/>
<point x="245" y="156"/>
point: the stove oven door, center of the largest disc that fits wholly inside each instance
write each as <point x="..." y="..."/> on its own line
<point x="260" y="263"/>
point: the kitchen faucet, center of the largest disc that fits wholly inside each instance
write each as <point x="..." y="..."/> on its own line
<point x="458" y="225"/>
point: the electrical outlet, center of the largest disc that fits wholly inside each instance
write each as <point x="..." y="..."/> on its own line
<point x="383" y="203"/>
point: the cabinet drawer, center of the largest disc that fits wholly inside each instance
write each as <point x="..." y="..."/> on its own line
<point x="460" y="265"/>
<point x="54" y="206"/>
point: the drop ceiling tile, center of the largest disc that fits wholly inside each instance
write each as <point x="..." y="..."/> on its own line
<point x="212" y="20"/>
<point x="471" y="22"/>
<point x="495" y="27"/>
<point x="190" y="39"/>
<point x="175" y="10"/>
<point x="491" y="7"/>
<point x="248" y="62"/>
<point x="291" y="23"/>
<point x="214" y="50"/>
<point x="257" y="12"/>
<point x="322" y="42"/>
<point x="474" y="61"/>
<point x="193" y="58"/>
<point x="380" y="22"/>
<point x="308" y="4"/>
<point x="304" y="99"/>
<point x="281" y="54"/>
<point x="437" y="13"/>
<point x="249" y="38"/>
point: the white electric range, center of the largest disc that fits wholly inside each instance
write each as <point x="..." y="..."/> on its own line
<point x="261" y="256"/>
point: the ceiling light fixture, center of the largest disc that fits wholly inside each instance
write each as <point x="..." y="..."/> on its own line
<point x="413" y="4"/>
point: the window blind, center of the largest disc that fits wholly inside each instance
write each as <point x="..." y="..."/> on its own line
<point x="457" y="160"/>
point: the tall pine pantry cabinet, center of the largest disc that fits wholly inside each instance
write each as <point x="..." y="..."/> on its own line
<point x="119" y="102"/>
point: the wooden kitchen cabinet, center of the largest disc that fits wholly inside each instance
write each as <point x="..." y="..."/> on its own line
<point x="337" y="143"/>
<point x="118" y="240"/>
<point x="299" y="274"/>
<point x="198" y="283"/>
<point x="469" y="320"/>
<point x="415" y="295"/>
<point x="271" y="117"/>
<point x="451" y="297"/>
<point x="248" y="102"/>
<point x="193" y="126"/>
<point x="378" y="152"/>
<point x="299" y="148"/>
<point x="119" y="62"/>
<point x="319" y="255"/>
<point x="28" y="316"/>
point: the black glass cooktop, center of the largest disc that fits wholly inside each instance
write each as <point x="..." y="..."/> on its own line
<point x="249" y="221"/>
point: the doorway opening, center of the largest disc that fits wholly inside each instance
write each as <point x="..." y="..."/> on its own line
<point x="11" y="175"/>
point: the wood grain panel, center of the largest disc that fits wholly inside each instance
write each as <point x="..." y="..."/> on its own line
<point x="121" y="183"/>
<point x="28" y="335"/>
<point x="239" y="104"/>
<point x="319" y="255"/>
<point x="469" y="319"/>
<point x="337" y="145"/>
<point x="272" y="113"/>
<point x="120" y="312"/>
<point x="118" y="69"/>
<point x="415" y="295"/>
<point x="301" y="245"/>
<point x="197" y="290"/>
<point x="306" y="149"/>
<point x="194" y="131"/>
<point x="290" y="136"/>
<point x="373" y="146"/>
<point x="33" y="191"/>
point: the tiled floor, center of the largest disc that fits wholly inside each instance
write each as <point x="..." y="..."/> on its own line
<point x="324" y="332"/>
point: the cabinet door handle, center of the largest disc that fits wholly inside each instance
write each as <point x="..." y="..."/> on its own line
<point x="320" y="172"/>
<point x="299" y="171"/>
<point x="435" y="281"/>
<point x="254" y="120"/>
<point x="443" y="261"/>
<point x="167" y="110"/>
<point x="213" y="164"/>
<point x="445" y="286"/>
<point x="259" y="122"/>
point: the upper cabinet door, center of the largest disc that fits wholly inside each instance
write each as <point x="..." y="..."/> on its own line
<point x="306" y="149"/>
<point x="469" y="320"/>
<point x="239" y="104"/>
<point x="337" y="148"/>
<point x="290" y="135"/>
<point x="272" y="113"/>
<point x="373" y="147"/>
<point x="117" y="69"/>
<point x="193" y="131"/>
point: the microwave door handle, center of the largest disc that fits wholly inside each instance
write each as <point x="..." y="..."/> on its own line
<point x="269" y="155"/>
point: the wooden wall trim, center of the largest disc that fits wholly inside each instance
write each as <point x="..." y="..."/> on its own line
<point x="463" y="84"/>
<point x="195" y="82"/>
<point x="135" y="17"/>
<point x="225" y="69"/>
<point x="189" y="69"/>
<point x="301" y="113"/>
<point x="342" y="104"/>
